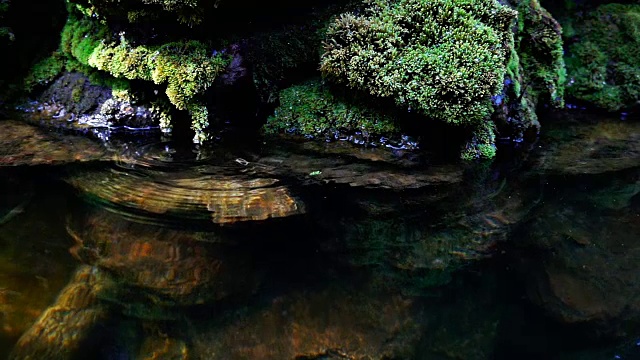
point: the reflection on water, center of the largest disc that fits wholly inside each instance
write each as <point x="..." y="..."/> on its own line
<point x="317" y="251"/>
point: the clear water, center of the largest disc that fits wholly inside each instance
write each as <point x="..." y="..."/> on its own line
<point x="299" y="251"/>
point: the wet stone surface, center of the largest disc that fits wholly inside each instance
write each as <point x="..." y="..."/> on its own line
<point x="22" y="144"/>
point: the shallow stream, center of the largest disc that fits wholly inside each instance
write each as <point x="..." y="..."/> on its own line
<point x="297" y="250"/>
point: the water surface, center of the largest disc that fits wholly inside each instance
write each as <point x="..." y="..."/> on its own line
<point x="299" y="250"/>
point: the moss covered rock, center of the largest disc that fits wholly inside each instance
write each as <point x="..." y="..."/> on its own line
<point x="444" y="58"/>
<point x="441" y="59"/>
<point x="540" y="49"/>
<point x="312" y="109"/>
<point x="603" y="57"/>
<point x="536" y="72"/>
<point x="187" y="68"/>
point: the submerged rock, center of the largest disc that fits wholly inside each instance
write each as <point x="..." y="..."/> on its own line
<point x="333" y="323"/>
<point x="169" y="267"/>
<point x="64" y="328"/>
<point x="218" y="199"/>
<point x="588" y="276"/>
<point x="342" y="162"/>
<point x="578" y="250"/>
<point x="584" y="146"/>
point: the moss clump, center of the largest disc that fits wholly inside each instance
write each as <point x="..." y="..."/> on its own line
<point x="311" y="109"/>
<point x="277" y="55"/>
<point x="482" y="145"/>
<point x="535" y="72"/>
<point x="603" y="62"/>
<point x="44" y="71"/>
<point x="442" y="58"/>
<point x="187" y="68"/>
<point x="540" y="49"/>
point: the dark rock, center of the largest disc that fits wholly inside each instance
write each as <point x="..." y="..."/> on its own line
<point x="72" y="101"/>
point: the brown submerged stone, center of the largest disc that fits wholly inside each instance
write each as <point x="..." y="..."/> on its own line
<point x="171" y="267"/>
<point x="22" y="144"/>
<point x="65" y="326"/>
<point x="222" y="199"/>
<point x="591" y="278"/>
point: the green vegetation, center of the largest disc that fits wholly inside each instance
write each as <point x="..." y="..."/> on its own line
<point x="187" y="68"/>
<point x="189" y="12"/>
<point x="443" y="58"/>
<point x="312" y="109"/>
<point x="5" y="32"/>
<point x="603" y="63"/>
<point x="275" y="55"/>
<point x="482" y="144"/>
<point x="540" y="50"/>
<point x="44" y="71"/>
<point x="535" y="72"/>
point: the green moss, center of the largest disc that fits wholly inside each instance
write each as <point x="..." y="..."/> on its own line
<point x="603" y="64"/>
<point x="482" y="144"/>
<point x="97" y="77"/>
<point x="540" y="49"/>
<point x="44" y="71"/>
<point x="187" y="68"/>
<point x="312" y="109"/>
<point x="442" y="58"/>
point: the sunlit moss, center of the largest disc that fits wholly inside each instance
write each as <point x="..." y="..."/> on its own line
<point x="187" y="68"/>
<point x="442" y="58"/>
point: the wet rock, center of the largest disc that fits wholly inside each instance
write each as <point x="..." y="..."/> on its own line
<point x="22" y="144"/>
<point x="162" y="347"/>
<point x="75" y="94"/>
<point x="341" y="162"/>
<point x="34" y="261"/>
<point x="73" y="102"/>
<point x="218" y="199"/>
